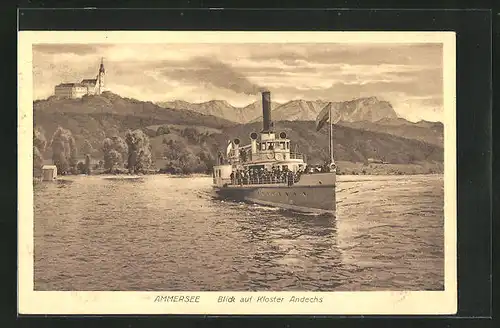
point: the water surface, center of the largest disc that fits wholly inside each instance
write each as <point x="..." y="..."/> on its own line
<point x="164" y="233"/>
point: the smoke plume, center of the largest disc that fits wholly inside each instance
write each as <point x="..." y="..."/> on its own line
<point x="218" y="74"/>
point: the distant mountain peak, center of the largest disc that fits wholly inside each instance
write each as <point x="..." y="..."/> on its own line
<point x="221" y="108"/>
<point x="218" y="101"/>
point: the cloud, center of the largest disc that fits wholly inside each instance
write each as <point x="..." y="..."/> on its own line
<point x="74" y="49"/>
<point x="354" y="54"/>
<point x="407" y="75"/>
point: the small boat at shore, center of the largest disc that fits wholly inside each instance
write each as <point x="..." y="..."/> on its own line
<point x="267" y="172"/>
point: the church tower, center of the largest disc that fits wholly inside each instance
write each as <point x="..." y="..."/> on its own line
<point x="100" y="78"/>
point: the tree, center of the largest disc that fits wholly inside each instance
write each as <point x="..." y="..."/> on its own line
<point x="191" y="134"/>
<point x="114" y="150"/>
<point x="112" y="159"/>
<point x="144" y="160"/>
<point x="87" y="164"/>
<point x="162" y="130"/>
<point x="139" y="151"/>
<point x="73" y="153"/>
<point x="64" y="151"/>
<point x="189" y="163"/>
<point x="81" y="167"/>
<point x="87" y="147"/>
<point x="120" y="145"/>
<point x="173" y="150"/>
<point x="39" y="144"/>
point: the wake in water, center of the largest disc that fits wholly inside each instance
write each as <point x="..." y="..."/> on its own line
<point x="265" y="208"/>
<point x="124" y="178"/>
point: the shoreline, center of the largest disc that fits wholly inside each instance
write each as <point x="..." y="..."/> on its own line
<point x="344" y="169"/>
<point x="340" y="178"/>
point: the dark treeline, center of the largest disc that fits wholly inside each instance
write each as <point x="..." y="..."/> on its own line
<point x="130" y="154"/>
<point x="191" y="154"/>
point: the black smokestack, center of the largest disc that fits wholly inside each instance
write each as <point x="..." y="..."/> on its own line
<point x="266" y="111"/>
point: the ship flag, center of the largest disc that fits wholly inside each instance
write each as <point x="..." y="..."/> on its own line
<point x="229" y="147"/>
<point x="323" y="116"/>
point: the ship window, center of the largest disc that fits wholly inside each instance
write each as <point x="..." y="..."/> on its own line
<point x="288" y="145"/>
<point x="270" y="146"/>
<point x="282" y="145"/>
<point x="263" y="146"/>
<point x="220" y="173"/>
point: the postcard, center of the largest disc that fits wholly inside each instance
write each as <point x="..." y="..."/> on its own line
<point x="203" y="172"/>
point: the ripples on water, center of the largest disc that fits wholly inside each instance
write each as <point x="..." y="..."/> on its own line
<point x="163" y="233"/>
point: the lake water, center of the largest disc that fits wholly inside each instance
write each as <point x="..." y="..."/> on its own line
<point x="164" y="233"/>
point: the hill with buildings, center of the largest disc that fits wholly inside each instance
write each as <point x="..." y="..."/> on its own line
<point x="185" y="136"/>
<point x="110" y="103"/>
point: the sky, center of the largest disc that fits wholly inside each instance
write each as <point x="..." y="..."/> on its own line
<point x="409" y="76"/>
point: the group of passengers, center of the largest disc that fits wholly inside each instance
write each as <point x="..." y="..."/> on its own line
<point x="263" y="175"/>
<point x="320" y="168"/>
<point x="275" y="175"/>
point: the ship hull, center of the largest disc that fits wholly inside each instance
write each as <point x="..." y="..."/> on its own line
<point x="308" y="199"/>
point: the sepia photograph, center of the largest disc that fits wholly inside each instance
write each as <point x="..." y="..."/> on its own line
<point x="240" y="172"/>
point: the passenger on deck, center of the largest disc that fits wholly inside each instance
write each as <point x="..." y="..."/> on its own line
<point x="290" y="178"/>
<point x="285" y="174"/>
<point x="296" y="176"/>
<point x="245" y="177"/>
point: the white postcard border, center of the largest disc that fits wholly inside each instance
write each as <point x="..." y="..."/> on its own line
<point x="334" y="303"/>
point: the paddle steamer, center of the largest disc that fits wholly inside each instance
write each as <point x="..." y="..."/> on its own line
<point x="267" y="172"/>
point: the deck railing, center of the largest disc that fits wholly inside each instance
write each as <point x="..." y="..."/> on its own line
<point x="294" y="155"/>
<point x="265" y="180"/>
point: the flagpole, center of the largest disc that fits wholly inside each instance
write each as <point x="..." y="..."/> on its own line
<point x="331" y="136"/>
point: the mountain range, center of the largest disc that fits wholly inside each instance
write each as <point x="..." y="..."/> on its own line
<point x="369" y="109"/>
<point x="369" y="114"/>
<point x="221" y="108"/>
